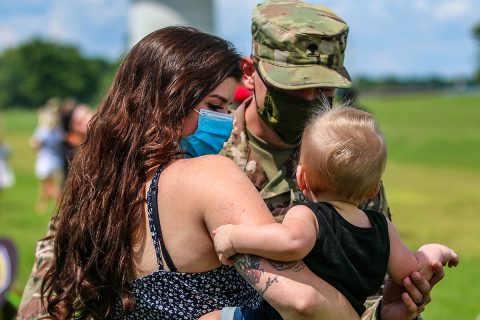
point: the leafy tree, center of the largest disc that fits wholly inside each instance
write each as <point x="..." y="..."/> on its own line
<point x="37" y="70"/>
<point x="476" y="35"/>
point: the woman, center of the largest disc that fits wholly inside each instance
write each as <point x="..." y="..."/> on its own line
<point x="140" y="175"/>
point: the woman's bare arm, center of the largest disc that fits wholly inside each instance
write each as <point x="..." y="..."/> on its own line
<point x="293" y="290"/>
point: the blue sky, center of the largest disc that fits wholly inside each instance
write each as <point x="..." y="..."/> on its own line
<point x="387" y="37"/>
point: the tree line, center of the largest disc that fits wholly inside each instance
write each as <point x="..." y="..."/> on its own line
<point x="476" y="35"/>
<point x="37" y="70"/>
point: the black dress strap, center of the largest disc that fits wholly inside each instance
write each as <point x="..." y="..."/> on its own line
<point x="154" y="223"/>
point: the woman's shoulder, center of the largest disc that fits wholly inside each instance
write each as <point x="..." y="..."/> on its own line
<point x="209" y="165"/>
<point x="210" y="171"/>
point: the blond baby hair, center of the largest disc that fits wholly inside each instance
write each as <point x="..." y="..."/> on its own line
<point x="343" y="154"/>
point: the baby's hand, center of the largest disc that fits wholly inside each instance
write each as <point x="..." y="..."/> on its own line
<point x="223" y="243"/>
<point x="437" y="253"/>
<point x="450" y="257"/>
<point x="440" y="253"/>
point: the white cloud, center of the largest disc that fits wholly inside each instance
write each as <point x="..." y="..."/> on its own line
<point x="422" y="5"/>
<point x="382" y="62"/>
<point x="9" y="37"/>
<point x="232" y="20"/>
<point x="451" y="10"/>
<point x="445" y="10"/>
<point x="57" y="24"/>
<point x="103" y="12"/>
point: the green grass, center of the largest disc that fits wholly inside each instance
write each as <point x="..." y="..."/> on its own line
<point x="432" y="181"/>
<point x="434" y="130"/>
<point x="18" y="219"/>
<point x="433" y="187"/>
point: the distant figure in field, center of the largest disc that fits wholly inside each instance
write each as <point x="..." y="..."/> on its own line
<point x="47" y="140"/>
<point x="8" y="270"/>
<point x="7" y="178"/>
<point x="74" y="119"/>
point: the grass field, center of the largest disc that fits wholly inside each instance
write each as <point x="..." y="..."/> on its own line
<point x="432" y="181"/>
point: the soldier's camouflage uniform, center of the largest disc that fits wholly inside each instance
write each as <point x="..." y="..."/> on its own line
<point x="275" y="178"/>
<point x="31" y="304"/>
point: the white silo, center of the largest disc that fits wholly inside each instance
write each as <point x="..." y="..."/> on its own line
<point x="146" y="16"/>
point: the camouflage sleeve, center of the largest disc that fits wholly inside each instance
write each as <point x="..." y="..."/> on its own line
<point x="373" y="308"/>
<point x="378" y="203"/>
<point x="31" y="304"/>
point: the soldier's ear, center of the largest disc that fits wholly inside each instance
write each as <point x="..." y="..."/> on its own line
<point x="248" y="72"/>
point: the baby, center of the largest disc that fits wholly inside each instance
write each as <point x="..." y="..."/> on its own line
<point x="342" y="158"/>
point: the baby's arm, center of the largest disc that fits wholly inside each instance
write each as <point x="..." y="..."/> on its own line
<point x="403" y="262"/>
<point x="289" y="241"/>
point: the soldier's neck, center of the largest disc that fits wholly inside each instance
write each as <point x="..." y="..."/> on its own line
<point x="259" y="128"/>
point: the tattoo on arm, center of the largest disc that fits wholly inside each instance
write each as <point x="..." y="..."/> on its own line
<point x="295" y="266"/>
<point x="250" y="268"/>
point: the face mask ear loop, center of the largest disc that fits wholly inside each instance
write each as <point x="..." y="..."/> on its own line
<point x="187" y="154"/>
<point x="255" y="64"/>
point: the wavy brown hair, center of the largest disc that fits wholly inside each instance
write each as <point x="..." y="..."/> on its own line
<point x="136" y="129"/>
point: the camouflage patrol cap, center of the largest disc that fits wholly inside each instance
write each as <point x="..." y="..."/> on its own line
<point x="299" y="45"/>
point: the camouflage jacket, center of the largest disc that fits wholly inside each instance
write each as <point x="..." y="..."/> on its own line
<point x="31" y="304"/>
<point x="275" y="180"/>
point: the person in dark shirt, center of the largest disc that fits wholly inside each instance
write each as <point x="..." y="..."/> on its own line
<point x="74" y="120"/>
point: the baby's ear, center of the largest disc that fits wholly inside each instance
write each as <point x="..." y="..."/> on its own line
<point x="302" y="185"/>
<point x="375" y="190"/>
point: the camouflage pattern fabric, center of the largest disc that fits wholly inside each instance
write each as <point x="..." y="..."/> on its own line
<point x="372" y="305"/>
<point x="31" y="304"/>
<point x="282" y="192"/>
<point x="299" y="45"/>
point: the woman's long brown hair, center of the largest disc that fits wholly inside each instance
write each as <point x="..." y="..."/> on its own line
<point x="136" y="129"/>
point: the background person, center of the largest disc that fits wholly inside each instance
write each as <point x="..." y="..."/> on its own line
<point x="47" y="140"/>
<point x="7" y="177"/>
<point x="74" y="119"/>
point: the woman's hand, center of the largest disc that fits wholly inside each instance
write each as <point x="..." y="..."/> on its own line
<point x="406" y="303"/>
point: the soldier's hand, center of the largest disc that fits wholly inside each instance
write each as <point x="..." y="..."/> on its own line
<point x="393" y="305"/>
<point x="405" y="303"/>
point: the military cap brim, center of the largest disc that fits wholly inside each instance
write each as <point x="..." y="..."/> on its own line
<point x="296" y="77"/>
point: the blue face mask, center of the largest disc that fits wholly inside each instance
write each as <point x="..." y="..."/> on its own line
<point x="213" y="130"/>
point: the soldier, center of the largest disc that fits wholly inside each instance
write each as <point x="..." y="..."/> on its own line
<point x="297" y="59"/>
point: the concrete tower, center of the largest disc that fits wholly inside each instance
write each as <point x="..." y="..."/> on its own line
<point x="146" y="16"/>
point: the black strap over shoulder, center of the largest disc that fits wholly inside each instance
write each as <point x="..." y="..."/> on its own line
<point x="154" y="221"/>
